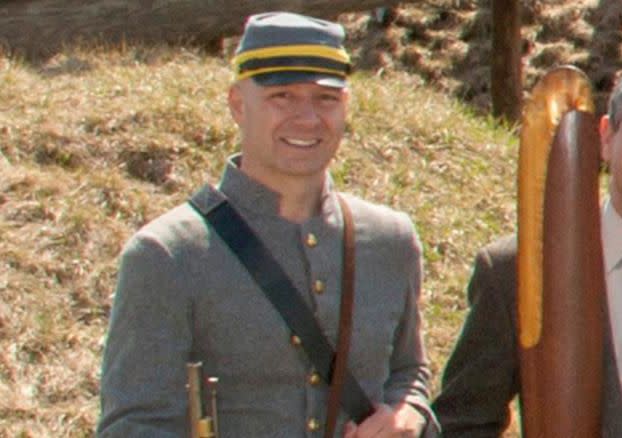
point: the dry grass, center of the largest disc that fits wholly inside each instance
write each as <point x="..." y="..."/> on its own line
<point x="87" y="156"/>
<point x="90" y="153"/>
<point x="95" y="143"/>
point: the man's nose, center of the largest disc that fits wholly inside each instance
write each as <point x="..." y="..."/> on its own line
<point x="306" y="112"/>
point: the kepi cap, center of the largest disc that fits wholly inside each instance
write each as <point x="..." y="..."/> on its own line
<point x="280" y="48"/>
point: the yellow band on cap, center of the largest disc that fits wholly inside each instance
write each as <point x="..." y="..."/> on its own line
<point x="333" y="53"/>
<point x="248" y="74"/>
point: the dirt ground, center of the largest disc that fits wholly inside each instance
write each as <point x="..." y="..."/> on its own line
<point x="448" y="43"/>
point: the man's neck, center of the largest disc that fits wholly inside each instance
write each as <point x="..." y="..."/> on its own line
<point x="300" y="195"/>
<point x="300" y="201"/>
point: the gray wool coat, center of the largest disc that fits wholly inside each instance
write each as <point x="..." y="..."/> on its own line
<point x="182" y="294"/>
<point x="482" y="377"/>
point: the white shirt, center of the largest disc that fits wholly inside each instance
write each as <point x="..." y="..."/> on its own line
<point x="612" y="248"/>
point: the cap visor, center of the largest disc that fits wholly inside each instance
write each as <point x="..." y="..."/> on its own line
<point x="293" y="77"/>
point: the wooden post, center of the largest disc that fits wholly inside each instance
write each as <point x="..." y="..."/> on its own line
<point x="505" y="66"/>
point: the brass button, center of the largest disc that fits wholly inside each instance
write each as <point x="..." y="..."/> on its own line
<point x="314" y="379"/>
<point x="311" y="240"/>
<point x="319" y="286"/>
<point x="313" y="425"/>
<point x="295" y="340"/>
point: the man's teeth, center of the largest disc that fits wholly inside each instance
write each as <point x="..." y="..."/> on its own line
<point x="299" y="142"/>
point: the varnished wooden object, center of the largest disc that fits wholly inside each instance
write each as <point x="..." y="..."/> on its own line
<point x="561" y="280"/>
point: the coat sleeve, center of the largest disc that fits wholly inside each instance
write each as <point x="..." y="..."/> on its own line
<point x="149" y="339"/>
<point x="481" y="377"/>
<point x="409" y="375"/>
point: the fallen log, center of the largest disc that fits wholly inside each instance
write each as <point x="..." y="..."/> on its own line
<point x="36" y="28"/>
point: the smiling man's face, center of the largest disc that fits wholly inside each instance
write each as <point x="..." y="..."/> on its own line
<point x="288" y="131"/>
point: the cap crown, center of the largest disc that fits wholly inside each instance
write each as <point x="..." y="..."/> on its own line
<point x="282" y="47"/>
<point x="275" y="29"/>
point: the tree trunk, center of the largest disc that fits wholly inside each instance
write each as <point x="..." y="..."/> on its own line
<point x="36" y="28"/>
<point x="506" y="81"/>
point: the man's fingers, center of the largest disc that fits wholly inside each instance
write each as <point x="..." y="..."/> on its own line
<point x="386" y="421"/>
<point x="381" y="421"/>
<point x="349" y="430"/>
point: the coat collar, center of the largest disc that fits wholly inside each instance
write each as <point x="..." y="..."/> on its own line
<point x="253" y="196"/>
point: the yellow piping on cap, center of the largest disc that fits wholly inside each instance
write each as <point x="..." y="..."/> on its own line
<point x="333" y="53"/>
<point x="250" y="73"/>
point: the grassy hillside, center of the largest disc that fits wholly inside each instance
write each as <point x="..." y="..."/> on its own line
<point x="95" y="144"/>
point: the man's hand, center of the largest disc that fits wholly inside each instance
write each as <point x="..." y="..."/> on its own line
<point x="401" y="421"/>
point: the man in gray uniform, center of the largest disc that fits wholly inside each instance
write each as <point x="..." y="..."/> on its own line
<point x="182" y="294"/>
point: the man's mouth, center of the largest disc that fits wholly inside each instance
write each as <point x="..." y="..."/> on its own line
<point x="301" y="143"/>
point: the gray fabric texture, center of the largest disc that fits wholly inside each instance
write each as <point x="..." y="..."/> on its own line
<point x="181" y="293"/>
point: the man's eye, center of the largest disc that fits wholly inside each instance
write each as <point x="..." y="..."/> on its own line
<point x="329" y="98"/>
<point x="280" y="95"/>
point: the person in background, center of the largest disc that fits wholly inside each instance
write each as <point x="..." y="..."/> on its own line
<point x="183" y="295"/>
<point x="481" y="377"/>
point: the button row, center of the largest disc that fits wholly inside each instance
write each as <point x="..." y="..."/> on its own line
<point x="314" y="379"/>
<point x="313" y="425"/>
<point x="311" y="240"/>
<point x="319" y="287"/>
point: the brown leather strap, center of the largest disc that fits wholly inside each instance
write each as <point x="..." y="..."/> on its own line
<point x="345" y="321"/>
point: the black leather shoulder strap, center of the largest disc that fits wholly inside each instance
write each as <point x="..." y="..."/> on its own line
<point x="282" y="293"/>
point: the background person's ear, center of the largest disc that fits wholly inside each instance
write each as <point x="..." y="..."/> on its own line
<point x="606" y="137"/>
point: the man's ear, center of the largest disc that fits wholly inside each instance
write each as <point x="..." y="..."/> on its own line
<point x="347" y="96"/>
<point x="606" y="137"/>
<point x="236" y="103"/>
